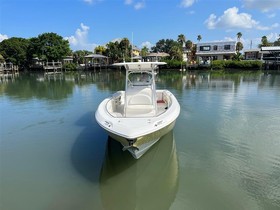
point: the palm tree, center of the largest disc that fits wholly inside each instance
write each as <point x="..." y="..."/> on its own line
<point x="125" y="48"/>
<point x="239" y="45"/>
<point x="239" y="35"/>
<point x="144" y="51"/>
<point x="100" y="50"/>
<point x="189" y="44"/>
<point x="264" y="42"/>
<point x="199" y="37"/>
<point x="181" y="39"/>
<point x="176" y="53"/>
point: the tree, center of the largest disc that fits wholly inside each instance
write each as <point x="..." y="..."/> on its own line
<point x="189" y="44"/>
<point x="170" y="46"/>
<point x="164" y="45"/>
<point x="176" y="53"/>
<point x="2" y="60"/>
<point x="277" y="42"/>
<point x="239" y="45"/>
<point x="181" y="39"/>
<point x="239" y="35"/>
<point x="264" y="42"/>
<point x="113" y="51"/>
<point x="14" y="50"/>
<point x="126" y="48"/>
<point x="144" y="51"/>
<point x="199" y="37"/>
<point x="238" y="56"/>
<point x="50" y="47"/>
<point x="160" y="46"/>
<point x="79" y="56"/>
<point x="100" y="50"/>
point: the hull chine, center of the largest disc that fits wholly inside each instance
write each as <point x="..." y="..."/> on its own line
<point x="139" y="146"/>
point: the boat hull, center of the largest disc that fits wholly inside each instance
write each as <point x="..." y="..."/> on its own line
<point x="142" y="143"/>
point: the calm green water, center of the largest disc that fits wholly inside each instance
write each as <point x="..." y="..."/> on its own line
<point x="224" y="152"/>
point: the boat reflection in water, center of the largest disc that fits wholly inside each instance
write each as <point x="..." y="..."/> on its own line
<point x="148" y="183"/>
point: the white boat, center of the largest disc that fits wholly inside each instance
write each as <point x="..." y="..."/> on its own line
<point x="139" y="116"/>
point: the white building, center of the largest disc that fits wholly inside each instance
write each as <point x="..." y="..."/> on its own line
<point x="215" y="51"/>
<point x="252" y="54"/>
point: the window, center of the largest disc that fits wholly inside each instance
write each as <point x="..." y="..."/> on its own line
<point x="215" y="47"/>
<point x="227" y="47"/>
<point x="204" y="48"/>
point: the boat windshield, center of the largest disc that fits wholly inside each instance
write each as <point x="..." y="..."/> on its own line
<point x="140" y="78"/>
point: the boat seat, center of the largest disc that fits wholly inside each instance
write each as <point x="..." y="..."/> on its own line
<point x="140" y="111"/>
<point x="140" y="99"/>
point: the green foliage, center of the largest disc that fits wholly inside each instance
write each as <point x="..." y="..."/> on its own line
<point x="2" y="59"/>
<point x="174" y="64"/>
<point x="164" y="45"/>
<point x="218" y="64"/>
<point x="14" y="50"/>
<point x="49" y="46"/>
<point x="100" y="50"/>
<point x="69" y="66"/>
<point x="119" y="51"/>
<point x="264" y="42"/>
<point x="79" y="56"/>
<point x="235" y="64"/>
<point x="189" y="44"/>
<point x="238" y="56"/>
<point x="239" y="46"/>
<point x="181" y="39"/>
<point x="174" y="48"/>
<point x="144" y="51"/>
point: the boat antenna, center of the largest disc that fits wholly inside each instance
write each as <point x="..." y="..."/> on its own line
<point x="131" y="47"/>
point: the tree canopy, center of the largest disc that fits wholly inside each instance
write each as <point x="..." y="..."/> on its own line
<point x="14" y="50"/>
<point x="174" y="48"/>
<point x="49" y="46"/>
<point x="119" y="50"/>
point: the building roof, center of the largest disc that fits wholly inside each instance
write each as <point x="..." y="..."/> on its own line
<point x="216" y="53"/>
<point x="95" y="56"/>
<point x="137" y="57"/>
<point x="272" y="48"/>
<point x="216" y="43"/>
<point x="158" y="55"/>
<point x="252" y="50"/>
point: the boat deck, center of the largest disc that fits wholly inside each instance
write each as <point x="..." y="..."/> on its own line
<point x="140" y="110"/>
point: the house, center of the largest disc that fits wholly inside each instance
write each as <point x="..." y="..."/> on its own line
<point x="208" y="51"/>
<point x="252" y="54"/>
<point x="271" y="57"/>
<point x="135" y="51"/>
<point x="67" y="59"/>
<point x="271" y="53"/>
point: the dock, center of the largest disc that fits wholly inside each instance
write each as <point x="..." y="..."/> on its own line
<point x="8" y="70"/>
<point x="52" y="67"/>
